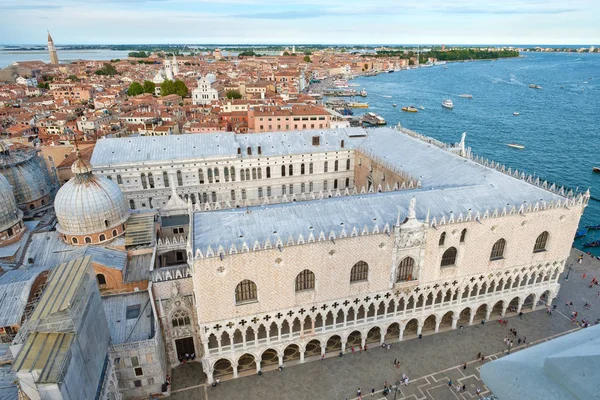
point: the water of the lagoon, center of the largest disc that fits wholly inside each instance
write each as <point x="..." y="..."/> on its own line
<point x="558" y="125"/>
<point x="7" y="56"/>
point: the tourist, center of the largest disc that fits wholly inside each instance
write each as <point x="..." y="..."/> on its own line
<point x="579" y="260"/>
<point x="389" y="346"/>
<point x="465" y="365"/>
<point x="352" y="349"/>
<point x="521" y="314"/>
<point x="515" y="332"/>
<point x="505" y="339"/>
<point x="478" y="355"/>
<point x="366" y="347"/>
<point x="358" y="393"/>
<point x="519" y="342"/>
<point x="450" y="383"/>
<point x="322" y="357"/>
<point x="395" y="361"/>
<point x="372" y="392"/>
<point x="478" y="391"/>
<point x="586" y="306"/>
<point x="482" y="358"/>
<point x="464" y="388"/>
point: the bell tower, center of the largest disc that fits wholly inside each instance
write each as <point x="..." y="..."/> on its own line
<point x="52" y="50"/>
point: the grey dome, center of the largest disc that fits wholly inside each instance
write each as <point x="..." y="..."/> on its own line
<point x="89" y="204"/>
<point x="9" y="213"/>
<point x="212" y="78"/>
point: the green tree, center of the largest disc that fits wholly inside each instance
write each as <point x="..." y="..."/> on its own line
<point x="149" y="87"/>
<point x="233" y="94"/>
<point x="180" y="88"/>
<point x="134" y="89"/>
<point x="73" y="78"/>
<point x="286" y="53"/>
<point x="167" y="88"/>
<point x="43" y="85"/>
<point x="108" y="69"/>
<point x="308" y="53"/>
<point x="307" y="59"/>
<point x="138" y="54"/>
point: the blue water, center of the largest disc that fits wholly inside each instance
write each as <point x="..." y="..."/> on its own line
<point x="557" y="125"/>
<point x="7" y="57"/>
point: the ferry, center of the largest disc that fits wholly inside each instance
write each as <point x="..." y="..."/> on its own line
<point x="410" y="109"/>
<point x="373" y="119"/>
<point x="466" y="96"/>
<point x="358" y="105"/>
<point x="595" y="169"/>
<point x="532" y="86"/>
<point x="515" y="146"/>
<point x="448" y="104"/>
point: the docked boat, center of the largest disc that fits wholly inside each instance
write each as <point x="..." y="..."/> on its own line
<point x="532" y="86"/>
<point x="515" y="146"/>
<point x="448" y="104"/>
<point x="353" y="84"/>
<point x="592" y="227"/>
<point x="390" y="71"/>
<point x="580" y="232"/>
<point x="595" y="243"/>
<point x="340" y="83"/>
<point x="358" y="105"/>
<point x="466" y="96"/>
<point x="516" y="114"/>
<point x="596" y="169"/>
<point x="363" y="93"/>
<point x="410" y="109"/>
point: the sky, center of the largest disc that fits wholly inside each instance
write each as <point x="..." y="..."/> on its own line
<point x="300" y="21"/>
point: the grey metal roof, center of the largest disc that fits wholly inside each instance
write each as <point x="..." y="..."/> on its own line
<point x="15" y="286"/>
<point x="138" y="268"/>
<point x="123" y="330"/>
<point x="450" y="184"/>
<point x="8" y="389"/>
<point x="175" y="220"/>
<point x="222" y="144"/>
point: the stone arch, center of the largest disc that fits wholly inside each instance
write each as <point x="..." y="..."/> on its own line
<point x="381" y="308"/>
<point x="371" y="310"/>
<point x="497" y="309"/>
<point x="307" y="323"/>
<point x="545" y="296"/>
<point x="465" y="292"/>
<point x="329" y="320"/>
<point x="334" y="344"/>
<point x="291" y="352"/>
<point x="285" y="327"/>
<point x="273" y="330"/>
<point x="354" y="338"/>
<point x="464" y="316"/>
<point x="481" y="312"/>
<point x="225" y="339"/>
<point x="374" y="335"/>
<point x="429" y="323"/>
<point x="238" y="337"/>
<point x="401" y="304"/>
<point x="499" y="285"/>
<point x="438" y="297"/>
<point x="269" y="357"/>
<point x="261" y="332"/>
<point x="448" y="296"/>
<point x="529" y="300"/>
<point x="513" y="305"/>
<point x="339" y="319"/>
<point x="318" y="321"/>
<point x="474" y="290"/>
<point x="250" y="335"/>
<point x="222" y="367"/>
<point x="420" y="301"/>
<point x="392" y="332"/>
<point x="429" y="299"/>
<point x="410" y="329"/>
<point x="446" y="320"/>
<point x="391" y="307"/>
<point x="555" y="274"/>
<point x="213" y="343"/>
<point x="351" y="314"/>
<point x="296" y="326"/>
<point x="246" y="362"/>
<point x="361" y="313"/>
<point x="312" y="348"/>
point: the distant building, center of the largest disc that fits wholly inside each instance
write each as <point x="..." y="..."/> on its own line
<point x="205" y="92"/>
<point x="31" y="81"/>
<point x="52" y="50"/>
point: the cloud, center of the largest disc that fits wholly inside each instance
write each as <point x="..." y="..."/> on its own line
<point x="28" y="7"/>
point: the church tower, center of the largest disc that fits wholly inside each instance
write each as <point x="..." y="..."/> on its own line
<point x="52" y="50"/>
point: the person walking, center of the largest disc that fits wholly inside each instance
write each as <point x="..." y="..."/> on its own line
<point x="359" y="393"/>
<point x="352" y="349"/>
<point x="465" y="365"/>
<point x="372" y="392"/>
<point x="505" y="339"/>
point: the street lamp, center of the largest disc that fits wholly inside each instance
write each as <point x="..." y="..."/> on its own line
<point x="569" y="270"/>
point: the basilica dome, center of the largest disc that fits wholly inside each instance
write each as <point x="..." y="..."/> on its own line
<point x="89" y="208"/>
<point x="28" y="175"/>
<point x="11" y="225"/>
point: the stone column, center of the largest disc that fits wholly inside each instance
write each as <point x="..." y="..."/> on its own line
<point x="549" y="300"/>
<point x="279" y="332"/>
<point x="419" y="328"/>
<point x="301" y="356"/>
<point x="206" y="349"/>
<point x="280" y="360"/>
<point x="535" y="300"/>
<point x="504" y="308"/>
<point x="520" y="305"/>
<point x="363" y="340"/>
<point x="343" y="345"/>
<point x="472" y="316"/>
<point x="437" y="326"/>
<point x="244" y="338"/>
<point x="345" y="318"/>
<point x="382" y="338"/>
<point x="209" y="377"/>
<point x="488" y="313"/>
<point x="323" y="350"/>
<point x="258" y="362"/>
<point x="219" y="346"/>
<point x="454" y="322"/>
<point x="235" y="371"/>
<point x="312" y="326"/>
<point x="401" y="332"/>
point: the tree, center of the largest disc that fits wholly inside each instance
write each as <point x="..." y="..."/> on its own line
<point x="43" y="85"/>
<point x="135" y="89"/>
<point x="233" y="94"/>
<point x="286" y="53"/>
<point x="308" y="53"/>
<point x="307" y="59"/>
<point x="73" y="78"/>
<point x="180" y="88"/>
<point x="167" y="88"/>
<point x="138" y="54"/>
<point x="108" y="69"/>
<point x="149" y="87"/>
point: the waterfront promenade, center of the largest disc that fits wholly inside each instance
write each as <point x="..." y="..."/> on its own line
<point x="429" y="362"/>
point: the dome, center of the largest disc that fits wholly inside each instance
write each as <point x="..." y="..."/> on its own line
<point x="212" y="78"/>
<point x="89" y="205"/>
<point x="9" y="213"/>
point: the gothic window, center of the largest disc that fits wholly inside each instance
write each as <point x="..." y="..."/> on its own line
<point x="214" y="197"/>
<point x="283" y="189"/>
<point x="245" y="292"/>
<point x="247" y="174"/>
<point x="119" y="180"/>
<point x="210" y="175"/>
<point x="260" y="193"/>
<point x="249" y="151"/>
<point x="348" y="165"/>
<point x="540" y="242"/>
<point x="463" y="235"/>
<point x="200" y="176"/>
<point x="179" y="179"/>
<point x="302" y="187"/>
<point x="132" y="204"/>
<point x="233" y="195"/>
<point x="347" y="182"/>
<point x="243" y="194"/>
<point x="180" y="318"/>
<point x="442" y="239"/>
<point x="405" y="270"/>
<point x="302" y="169"/>
<point x="166" y="178"/>
<point x="325" y="165"/>
<point x="268" y="191"/>
<point x="101" y="279"/>
<point x="216" y="175"/>
<point x="498" y="250"/>
<point x="324" y="185"/>
<point x="291" y="169"/>
<point x="310" y="168"/>
<point x="109" y="177"/>
<point x="305" y="280"/>
<point x="335" y="165"/>
<point x="359" y="272"/>
<point x="144" y="182"/>
<point x="102" y="237"/>
<point x="335" y="184"/>
<point x="239" y="151"/>
<point x="205" y="197"/>
<point x="232" y="173"/>
<point x="449" y="257"/>
<point x="253" y="173"/>
<point x="283" y="170"/>
<point x="151" y="180"/>
<point x="259" y="150"/>
<point x="226" y="174"/>
<point x="259" y="170"/>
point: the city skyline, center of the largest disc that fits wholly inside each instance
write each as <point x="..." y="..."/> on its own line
<point x="304" y="21"/>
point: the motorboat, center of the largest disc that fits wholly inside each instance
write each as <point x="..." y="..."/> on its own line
<point x="394" y="105"/>
<point x="580" y="232"/>
<point x="410" y="109"/>
<point x="595" y="243"/>
<point x="358" y="105"/>
<point x="466" y="96"/>
<point x="448" y="104"/>
<point x="422" y="108"/>
<point x="595" y="169"/>
<point x="515" y="146"/>
<point x="532" y="86"/>
<point x="363" y="93"/>
<point x="592" y="227"/>
<point x="516" y="114"/>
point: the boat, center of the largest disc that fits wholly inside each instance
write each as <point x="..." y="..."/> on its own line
<point x="390" y="71"/>
<point x="515" y="145"/>
<point x="516" y="114"/>
<point x="532" y="86"/>
<point x="448" y="104"/>
<point x="592" y="227"/>
<point x="410" y="109"/>
<point x="355" y="104"/>
<point x="595" y="169"/>
<point x="386" y="96"/>
<point x="340" y="83"/>
<point x="363" y="93"/>
<point x="466" y="96"/>
<point x="373" y="119"/>
<point x="439" y="63"/>
<point x="394" y="105"/>
<point x="422" y="108"/>
<point x="580" y="232"/>
<point x="595" y="243"/>
<point x="353" y="84"/>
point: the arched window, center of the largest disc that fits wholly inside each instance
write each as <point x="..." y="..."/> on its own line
<point x="283" y="170"/>
<point x="249" y="151"/>
<point x="119" y="180"/>
<point x="540" y="242"/>
<point x="259" y="150"/>
<point x="335" y="184"/>
<point x="216" y="175"/>
<point x="166" y="178"/>
<point x="102" y="237"/>
<point x="259" y="170"/>
<point x="253" y="173"/>
<point x="342" y="144"/>
<point x="245" y="291"/>
<point x="247" y="174"/>
<point x="101" y="279"/>
<point x="347" y="182"/>
<point x="114" y="232"/>
<point x="463" y="235"/>
<point x="151" y="180"/>
<point x="310" y="186"/>
<point x="325" y="166"/>
<point x="226" y="174"/>
<point x="268" y="172"/>
<point x="405" y="270"/>
<point x="283" y="189"/>
<point x="144" y="182"/>
<point x="302" y="169"/>
<point x="74" y="240"/>
<point x="310" y="168"/>
<point x="200" y="176"/>
<point x="209" y="174"/>
<point x="179" y="179"/>
<point x="88" y="239"/>
<point x="232" y="173"/>
<point x="180" y="318"/>
<point x="213" y="195"/>
<point x="106" y="223"/>
<point x="335" y="165"/>
<point x="291" y="170"/>
<point x="242" y="175"/>
<point x="239" y="151"/>
<point x="348" y="165"/>
<point x="109" y="177"/>
<point x="359" y="272"/>
<point x="132" y="204"/>
<point x="305" y="280"/>
<point x="449" y="257"/>
<point x="498" y="250"/>
<point x="324" y="185"/>
<point x="442" y="239"/>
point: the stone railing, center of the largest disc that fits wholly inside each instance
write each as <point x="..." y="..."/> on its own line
<point x="134" y="345"/>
